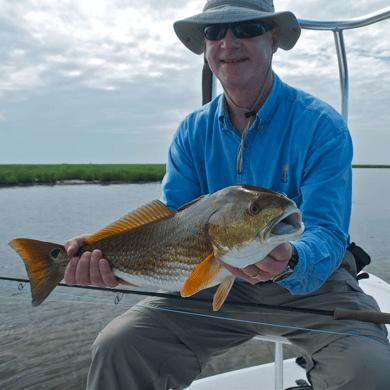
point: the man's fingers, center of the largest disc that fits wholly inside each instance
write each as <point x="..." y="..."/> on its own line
<point x="246" y="273"/>
<point x="275" y="262"/>
<point x="100" y="271"/>
<point x="82" y="271"/>
<point x="282" y="252"/>
<point x="89" y="269"/>
<point x="251" y="270"/>
<point x="108" y="277"/>
<point x="272" y="266"/>
<point x="255" y="274"/>
<point x="70" y="271"/>
<point x="72" y="245"/>
<point x="94" y="269"/>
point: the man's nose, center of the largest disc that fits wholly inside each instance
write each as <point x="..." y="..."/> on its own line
<point x="230" y="39"/>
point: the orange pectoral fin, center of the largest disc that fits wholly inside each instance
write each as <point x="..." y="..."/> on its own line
<point x="222" y="292"/>
<point x="201" y="276"/>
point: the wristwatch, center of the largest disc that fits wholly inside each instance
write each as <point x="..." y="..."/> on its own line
<point x="289" y="267"/>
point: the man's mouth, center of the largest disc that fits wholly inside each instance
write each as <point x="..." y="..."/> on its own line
<point x="234" y="61"/>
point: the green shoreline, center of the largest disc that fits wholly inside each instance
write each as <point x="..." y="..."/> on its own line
<point x="29" y="174"/>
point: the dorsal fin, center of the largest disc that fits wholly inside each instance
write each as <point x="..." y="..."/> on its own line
<point x="151" y="212"/>
<point x="186" y="205"/>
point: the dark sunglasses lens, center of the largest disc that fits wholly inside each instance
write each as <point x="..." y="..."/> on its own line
<point x="240" y="30"/>
<point x="215" y="33"/>
<point x="244" y="31"/>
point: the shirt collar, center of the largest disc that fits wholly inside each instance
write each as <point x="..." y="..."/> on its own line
<point x="266" y="112"/>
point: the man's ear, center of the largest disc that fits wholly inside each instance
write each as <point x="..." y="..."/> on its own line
<point x="205" y="51"/>
<point x="275" y="39"/>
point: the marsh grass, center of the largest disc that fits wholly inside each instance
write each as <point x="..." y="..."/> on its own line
<point x="15" y="174"/>
<point x="49" y="174"/>
<point x="371" y="166"/>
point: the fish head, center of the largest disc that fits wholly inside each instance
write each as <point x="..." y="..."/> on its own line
<point x="249" y="222"/>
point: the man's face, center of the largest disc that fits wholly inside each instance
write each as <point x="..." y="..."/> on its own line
<point x="241" y="63"/>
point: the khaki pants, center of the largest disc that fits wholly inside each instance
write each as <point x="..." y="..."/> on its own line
<point x="148" y="348"/>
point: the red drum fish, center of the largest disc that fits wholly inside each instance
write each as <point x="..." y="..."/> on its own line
<point x="157" y="247"/>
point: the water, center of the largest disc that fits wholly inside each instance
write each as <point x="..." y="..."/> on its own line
<point x="38" y="344"/>
<point x="49" y="347"/>
<point x="56" y="213"/>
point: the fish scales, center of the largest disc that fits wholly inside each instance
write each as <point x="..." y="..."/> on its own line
<point x="169" y="249"/>
<point x="156" y="247"/>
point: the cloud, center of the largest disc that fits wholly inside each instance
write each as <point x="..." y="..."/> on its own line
<point x="85" y="72"/>
<point x="98" y="44"/>
<point x="312" y="64"/>
<point x="101" y="44"/>
<point x="330" y="10"/>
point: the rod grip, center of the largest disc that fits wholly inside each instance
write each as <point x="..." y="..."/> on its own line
<point x="368" y="316"/>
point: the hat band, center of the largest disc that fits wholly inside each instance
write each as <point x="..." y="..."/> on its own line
<point x="242" y="4"/>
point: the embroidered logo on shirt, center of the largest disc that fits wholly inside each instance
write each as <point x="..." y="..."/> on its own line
<point x="284" y="178"/>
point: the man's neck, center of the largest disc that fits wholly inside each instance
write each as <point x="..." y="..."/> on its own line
<point x="246" y="99"/>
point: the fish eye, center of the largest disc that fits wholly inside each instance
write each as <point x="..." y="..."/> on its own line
<point x="54" y="253"/>
<point x="254" y="209"/>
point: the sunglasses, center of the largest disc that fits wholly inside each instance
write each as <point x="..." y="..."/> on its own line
<point x="243" y="30"/>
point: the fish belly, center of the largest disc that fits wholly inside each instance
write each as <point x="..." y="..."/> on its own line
<point x="247" y="254"/>
<point x="172" y="281"/>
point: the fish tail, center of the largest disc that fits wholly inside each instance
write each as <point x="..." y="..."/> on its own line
<point x="44" y="267"/>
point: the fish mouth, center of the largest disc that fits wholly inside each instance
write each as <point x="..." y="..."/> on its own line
<point x="286" y="227"/>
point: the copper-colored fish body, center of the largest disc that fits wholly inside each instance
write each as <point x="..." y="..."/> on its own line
<point x="160" y="254"/>
<point x="156" y="247"/>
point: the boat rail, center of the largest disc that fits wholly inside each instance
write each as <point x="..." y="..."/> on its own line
<point x="337" y="27"/>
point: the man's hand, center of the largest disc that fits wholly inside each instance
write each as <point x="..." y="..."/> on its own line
<point x="273" y="264"/>
<point x="89" y="269"/>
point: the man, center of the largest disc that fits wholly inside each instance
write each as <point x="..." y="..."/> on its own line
<point x="264" y="133"/>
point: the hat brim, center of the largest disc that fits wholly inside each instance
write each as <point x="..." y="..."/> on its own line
<point x="190" y="30"/>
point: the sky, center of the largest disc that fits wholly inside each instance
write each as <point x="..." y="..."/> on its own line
<point x="108" y="81"/>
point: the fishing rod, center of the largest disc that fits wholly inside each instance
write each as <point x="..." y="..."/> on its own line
<point x="338" y="314"/>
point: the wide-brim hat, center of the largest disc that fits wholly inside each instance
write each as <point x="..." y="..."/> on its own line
<point x="190" y="30"/>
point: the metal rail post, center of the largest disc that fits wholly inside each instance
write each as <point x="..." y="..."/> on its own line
<point x="343" y="70"/>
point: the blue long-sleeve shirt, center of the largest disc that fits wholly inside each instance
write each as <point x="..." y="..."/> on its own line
<point x="298" y="145"/>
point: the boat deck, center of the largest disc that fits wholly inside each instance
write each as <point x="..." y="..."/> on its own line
<point x="265" y="377"/>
